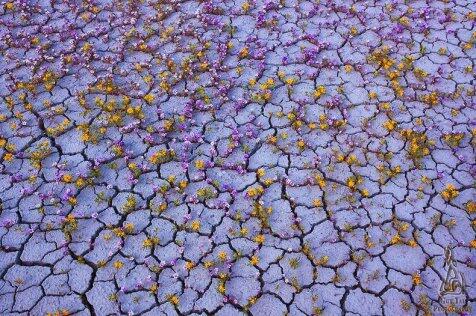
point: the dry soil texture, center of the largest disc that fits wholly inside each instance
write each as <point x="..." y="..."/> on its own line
<point x="277" y="157"/>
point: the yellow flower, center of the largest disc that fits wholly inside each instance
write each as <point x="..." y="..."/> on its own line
<point x="86" y="47"/>
<point x="266" y="95"/>
<point x="404" y="21"/>
<point x="183" y="184"/>
<point x="189" y="265"/>
<point x="467" y="46"/>
<point x="195" y="225"/>
<point x="200" y="164"/>
<point x="222" y="256"/>
<point x="8" y="157"/>
<point x="162" y="207"/>
<point x="118" y="264"/>
<point x="252" y="192"/>
<point x="259" y="239"/>
<point x="245" y="6"/>
<point x="269" y="83"/>
<point x="390" y="125"/>
<point x="450" y="192"/>
<point x="472" y="244"/>
<point x="351" y="183"/>
<point x="243" y="53"/>
<point x="208" y="264"/>
<point x="320" y="181"/>
<point x="317" y="203"/>
<point x="352" y="159"/>
<point x="320" y="91"/>
<point x="416" y="278"/>
<point x="150" y="242"/>
<point x="153" y="288"/>
<point x="431" y="99"/>
<point x="10" y="147"/>
<point x="119" y="232"/>
<point x="174" y="300"/>
<point x="420" y="73"/>
<point x="221" y="288"/>
<point x="72" y="200"/>
<point x="323" y="260"/>
<point x="260" y="172"/>
<point x="272" y="139"/>
<point x="149" y="98"/>
<point x="471" y="207"/>
<point x="395" y="239"/>
<point x="129" y="228"/>
<point x="340" y="158"/>
<point x="67" y="178"/>
<point x="290" y="81"/>
<point x="9" y="6"/>
<point x="387" y="63"/>
<point x="171" y="178"/>
<point x="147" y="243"/>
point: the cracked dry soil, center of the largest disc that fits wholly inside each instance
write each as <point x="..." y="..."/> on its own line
<point x="276" y="157"/>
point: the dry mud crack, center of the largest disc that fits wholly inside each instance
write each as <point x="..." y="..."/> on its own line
<point x="248" y="157"/>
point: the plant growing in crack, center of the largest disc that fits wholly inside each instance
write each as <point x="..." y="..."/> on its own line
<point x="294" y="262"/>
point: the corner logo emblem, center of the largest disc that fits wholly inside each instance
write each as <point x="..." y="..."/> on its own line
<point x="453" y="284"/>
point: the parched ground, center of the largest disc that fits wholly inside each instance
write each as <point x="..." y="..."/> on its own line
<point x="289" y="157"/>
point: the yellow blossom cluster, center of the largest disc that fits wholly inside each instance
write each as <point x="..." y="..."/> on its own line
<point x="450" y="192"/>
